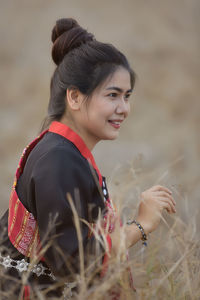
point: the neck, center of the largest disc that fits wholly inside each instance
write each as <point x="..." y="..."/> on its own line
<point x="90" y="143"/>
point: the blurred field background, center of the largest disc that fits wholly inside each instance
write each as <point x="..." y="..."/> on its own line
<point x="160" y="142"/>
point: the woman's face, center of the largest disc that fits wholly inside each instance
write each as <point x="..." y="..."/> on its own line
<point x="108" y="107"/>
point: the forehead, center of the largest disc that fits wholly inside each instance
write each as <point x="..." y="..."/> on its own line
<point x="120" y="78"/>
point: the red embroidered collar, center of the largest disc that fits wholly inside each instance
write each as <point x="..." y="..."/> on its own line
<point x="72" y="136"/>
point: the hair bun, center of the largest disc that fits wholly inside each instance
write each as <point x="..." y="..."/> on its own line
<point x="67" y="34"/>
<point x="61" y="26"/>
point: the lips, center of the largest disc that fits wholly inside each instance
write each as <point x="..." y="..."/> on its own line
<point x="115" y="123"/>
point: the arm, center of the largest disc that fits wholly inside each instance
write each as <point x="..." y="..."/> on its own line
<point x="153" y="202"/>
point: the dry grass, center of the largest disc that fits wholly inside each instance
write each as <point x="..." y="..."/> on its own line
<point x="169" y="268"/>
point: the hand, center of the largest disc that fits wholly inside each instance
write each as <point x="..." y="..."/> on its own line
<point x="153" y="202"/>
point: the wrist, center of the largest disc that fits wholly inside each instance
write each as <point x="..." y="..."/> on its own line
<point x="146" y="226"/>
<point x="141" y="229"/>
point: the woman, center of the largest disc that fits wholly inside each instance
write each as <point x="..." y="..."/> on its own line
<point x="57" y="174"/>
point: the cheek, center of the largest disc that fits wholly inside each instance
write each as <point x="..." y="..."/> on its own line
<point x="101" y="110"/>
<point x="104" y="110"/>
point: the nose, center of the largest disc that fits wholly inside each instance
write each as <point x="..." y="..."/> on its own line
<point x="123" y="107"/>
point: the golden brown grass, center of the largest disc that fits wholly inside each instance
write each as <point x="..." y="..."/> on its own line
<point x="168" y="268"/>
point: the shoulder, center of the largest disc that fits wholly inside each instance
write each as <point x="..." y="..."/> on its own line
<point x="64" y="152"/>
<point x="62" y="159"/>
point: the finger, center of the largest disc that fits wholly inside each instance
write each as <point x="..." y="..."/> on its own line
<point x="161" y="188"/>
<point x="169" y="210"/>
<point x="167" y="203"/>
<point x="166" y="206"/>
<point x="165" y="194"/>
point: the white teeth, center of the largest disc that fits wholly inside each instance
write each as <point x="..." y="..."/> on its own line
<point x="115" y="122"/>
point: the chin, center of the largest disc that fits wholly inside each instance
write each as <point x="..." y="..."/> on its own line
<point x="111" y="137"/>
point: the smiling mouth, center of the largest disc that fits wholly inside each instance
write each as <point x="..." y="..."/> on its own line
<point x="115" y="123"/>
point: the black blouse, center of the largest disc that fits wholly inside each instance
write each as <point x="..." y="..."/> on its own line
<point x="54" y="168"/>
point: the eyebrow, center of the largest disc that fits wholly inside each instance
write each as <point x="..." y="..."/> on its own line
<point x="119" y="89"/>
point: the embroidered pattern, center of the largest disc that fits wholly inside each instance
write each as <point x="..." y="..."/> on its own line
<point x="22" y="227"/>
<point x="24" y="236"/>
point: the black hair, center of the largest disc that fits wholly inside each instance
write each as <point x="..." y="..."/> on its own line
<point x="82" y="63"/>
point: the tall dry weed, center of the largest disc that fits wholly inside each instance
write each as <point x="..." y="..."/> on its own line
<point x="168" y="268"/>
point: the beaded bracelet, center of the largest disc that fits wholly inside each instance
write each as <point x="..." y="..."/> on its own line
<point x="144" y="236"/>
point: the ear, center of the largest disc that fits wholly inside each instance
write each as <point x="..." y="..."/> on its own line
<point x="74" y="98"/>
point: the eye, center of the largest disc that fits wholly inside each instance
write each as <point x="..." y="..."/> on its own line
<point x="127" y="96"/>
<point x="113" y="95"/>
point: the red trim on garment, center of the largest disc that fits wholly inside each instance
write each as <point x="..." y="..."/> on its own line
<point x="26" y="295"/>
<point x="72" y="136"/>
<point x="22" y="226"/>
